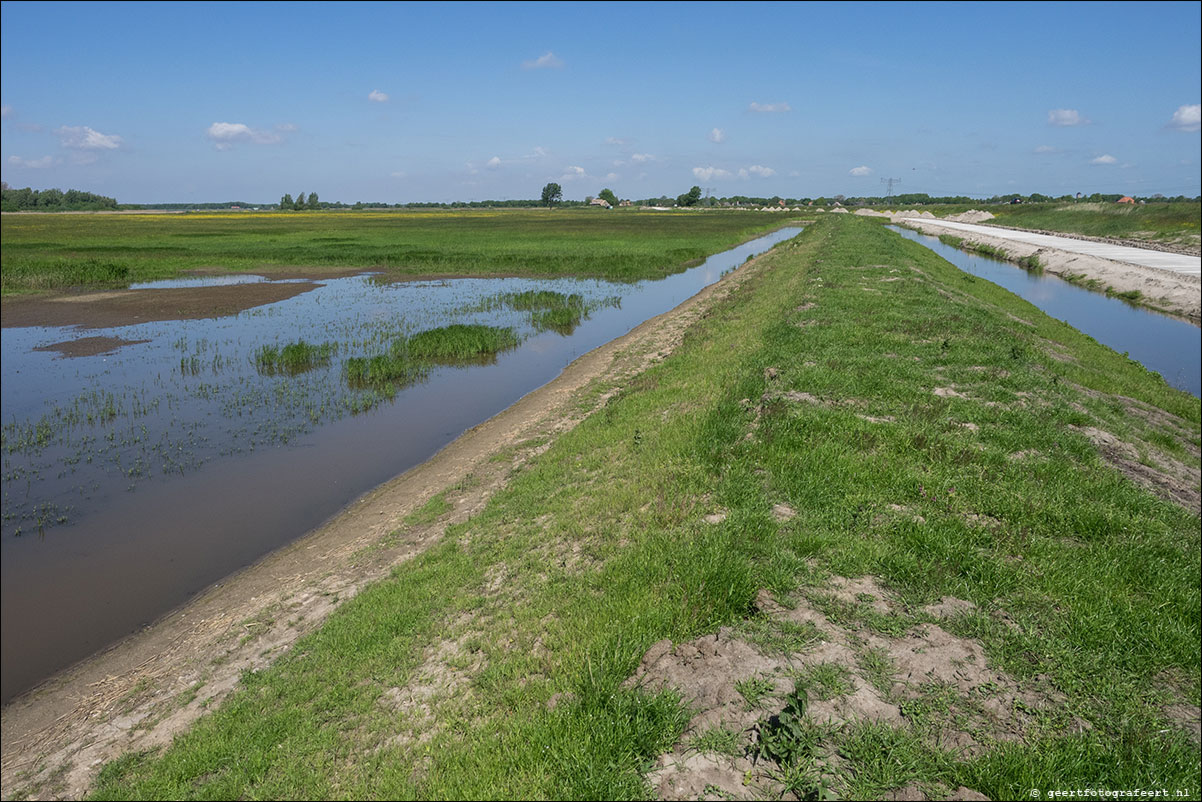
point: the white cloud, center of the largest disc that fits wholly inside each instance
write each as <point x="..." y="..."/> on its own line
<point x="226" y="135"/>
<point x="861" y="170"/>
<point x="33" y="164"/>
<point x="717" y="135"/>
<point x="493" y="163"/>
<point x="761" y="171"/>
<point x="287" y="127"/>
<point x="1186" y="118"/>
<point x="642" y="157"/>
<point x="770" y="108"/>
<point x="1105" y="158"/>
<point x="376" y="96"/>
<point x="546" y="60"/>
<point x="573" y="173"/>
<point x="80" y="137"/>
<point x="398" y="174"/>
<point x="1066" y="117"/>
<point x="613" y="140"/>
<point x="1046" y="149"/>
<point x="710" y="173"/>
<point x="611" y="176"/>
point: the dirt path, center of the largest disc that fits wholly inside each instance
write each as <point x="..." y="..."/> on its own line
<point x="1179" y="293"/>
<point x="143" y="691"/>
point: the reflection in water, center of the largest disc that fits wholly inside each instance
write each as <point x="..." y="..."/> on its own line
<point x="173" y="462"/>
<point x="1164" y="344"/>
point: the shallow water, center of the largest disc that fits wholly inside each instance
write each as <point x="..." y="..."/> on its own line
<point x="135" y="479"/>
<point x="1164" y="344"/>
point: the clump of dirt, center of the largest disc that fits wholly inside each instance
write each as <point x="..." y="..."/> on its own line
<point x="869" y="661"/>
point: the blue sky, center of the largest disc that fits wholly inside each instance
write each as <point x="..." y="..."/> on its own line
<point x="151" y="102"/>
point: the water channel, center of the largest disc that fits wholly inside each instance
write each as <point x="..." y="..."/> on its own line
<point x="136" y="478"/>
<point x="1164" y="344"/>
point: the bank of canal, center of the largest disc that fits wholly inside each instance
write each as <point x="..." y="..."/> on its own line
<point x="1169" y="346"/>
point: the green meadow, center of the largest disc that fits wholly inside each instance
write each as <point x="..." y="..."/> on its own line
<point x="60" y="251"/>
<point x="1164" y="223"/>
<point x="925" y="428"/>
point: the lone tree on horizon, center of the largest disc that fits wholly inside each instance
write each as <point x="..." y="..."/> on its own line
<point x="552" y="194"/>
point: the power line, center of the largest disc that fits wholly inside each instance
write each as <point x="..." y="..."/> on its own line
<point x="889" y="182"/>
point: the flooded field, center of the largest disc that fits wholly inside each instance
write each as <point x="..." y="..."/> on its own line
<point x="1166" y="345"/>
<point x="144" y="462"/>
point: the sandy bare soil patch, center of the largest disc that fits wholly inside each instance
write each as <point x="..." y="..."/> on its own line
<point x="142" y="692"/>
<point x="834" y="672"/>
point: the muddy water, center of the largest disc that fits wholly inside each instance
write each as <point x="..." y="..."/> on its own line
<point x="1166" y="345"/>
<point x="135" y="478"/>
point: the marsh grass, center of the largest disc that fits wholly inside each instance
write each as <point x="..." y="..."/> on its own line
<point x="546" y="310"/>
<point x="1087" y="582"/>
<point x="458" y="342"/>
<point x="409" y="359"/>
<point x="53" y="252"/>
<point x="293" y="358"/>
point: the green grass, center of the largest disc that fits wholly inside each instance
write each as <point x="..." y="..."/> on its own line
<point x="293" y="358"/>
<point x="549" y="310"/>
<point x="598" y="548"/>
<point x="409" y="359"/>
<point x="55" y="252"/>
<point x="1170" y="223"/>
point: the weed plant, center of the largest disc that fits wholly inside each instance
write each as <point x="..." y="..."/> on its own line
<point x="409" y="359"/>
<point x="293" y="358"/>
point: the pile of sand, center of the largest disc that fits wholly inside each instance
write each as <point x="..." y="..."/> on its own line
<point x="971" y="216"/>
<point x="870" y="213"/>
<point x="910" y="214"/>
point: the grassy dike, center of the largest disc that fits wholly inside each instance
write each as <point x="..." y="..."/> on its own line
<point x="493" y="665"/>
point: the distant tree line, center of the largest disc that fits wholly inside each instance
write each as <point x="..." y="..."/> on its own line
<point x="193" y="207"/>
<point x="301" y="203"/>
<point x="53" y="200"/>
<point x="693" y="198"/>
